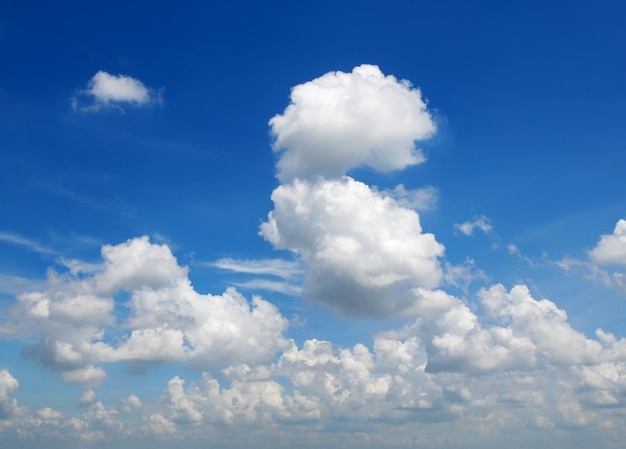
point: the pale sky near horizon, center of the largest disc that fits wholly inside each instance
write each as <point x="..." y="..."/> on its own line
<point x="289" y="224"/>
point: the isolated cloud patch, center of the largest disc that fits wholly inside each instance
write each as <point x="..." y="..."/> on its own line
<point x="105" y="90"/>
<point x="479" y="222"/>
<point x="361" y="248"/>
<point x="340" y="121"/>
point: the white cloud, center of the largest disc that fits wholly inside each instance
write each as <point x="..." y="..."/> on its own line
<point x="166" y="319"/>
<point x="290" y="272"/>
<point x="480" y="222"/>
<point x="87" y="398"/>
<point x="463" y="275"/>
<point x="49" y="414"/>
<point x="275" y="267"/>
<point x="106" y="89"/>
<point x="606" y="260"/>
<point x="271" y="286"/>
<point x="16" y="239"/>
<point x="362" y="250"/>
<point x="88" y="376"/>
<point x="521" y="364"/>
<point x="479" y="367"/>
<point x="424" y="198"/>
<point x="341" y="121"/>
<point x="611" y="249"/>
<point x="13" y="285"/>
<point x="8" y="404"/>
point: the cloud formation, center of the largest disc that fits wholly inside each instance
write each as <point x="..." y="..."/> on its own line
<point x="519" y="364"/>
<point x="456" y="372"/>
<point x="341" y="121"/>
<point x="78" y="320"/>
<point x="362" y="250"/>
<point x="611" y="249"/>
<point x="107" y="90"/>
<point x="424" y="198"/>
<point x="605" y="261"/>
<point x="479" y="222"/>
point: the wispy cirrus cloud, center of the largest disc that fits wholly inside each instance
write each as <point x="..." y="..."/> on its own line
<point x="290" y="273"/>
<point x="274" y="267"/>
<point x="16" y="239"/>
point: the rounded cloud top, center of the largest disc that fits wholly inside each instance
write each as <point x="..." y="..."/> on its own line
<point x="340" y="121"/>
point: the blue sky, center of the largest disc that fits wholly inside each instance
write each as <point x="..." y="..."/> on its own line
<point x="366" y="224"/>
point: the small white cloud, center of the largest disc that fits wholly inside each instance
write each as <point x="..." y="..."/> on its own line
<point x="272" y="286"/>
<point x="49" y="414"/>
<point x="87" y="398"/>
<point x="463" y="275"/>
<point x="479" y="222"/>
<point x="513" y="249"/>
<point x="566" y="264"/>
<point x="611" y="249"/>
<point x="9" y="407"/>
<point x="105" y="90"/>
<point x="424" y="198"/>
<point x="275" y="267"/>
<point x="8" y="384"/>
<point x="341" y="121"/>
<point x="87" y="376"/>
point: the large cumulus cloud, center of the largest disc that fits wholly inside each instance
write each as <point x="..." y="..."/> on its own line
<point x="363" y="251"/>
<point x="82" y="322"/>
<point x="343" y="120"/>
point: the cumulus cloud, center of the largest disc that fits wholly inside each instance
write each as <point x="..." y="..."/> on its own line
<point x="106" y="90"/>
<point x="341" y="121"/>
<point x="362" y="250"/>
<point x="166" y="319"/>
<point x="605" y="261"/>
<point x="87" y="398"/>
<point x="519" y="364"/>
<point x="611" y="249"/>
<point x="499" y="371"/>
<point x="8" y="387"/>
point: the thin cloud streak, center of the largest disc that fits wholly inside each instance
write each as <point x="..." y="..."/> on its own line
<point x="18" y="240"/>
<point x="272" y="267"/>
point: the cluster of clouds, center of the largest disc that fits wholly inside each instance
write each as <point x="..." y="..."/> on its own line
<point x="520" y="364"/>
<point x="80" y="326"/>
<point x="494" y="361"/>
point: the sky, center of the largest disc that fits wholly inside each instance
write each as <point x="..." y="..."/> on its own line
<point x="312" y="224"/>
